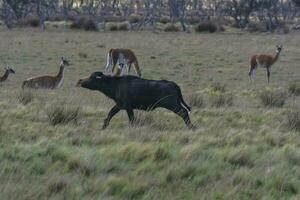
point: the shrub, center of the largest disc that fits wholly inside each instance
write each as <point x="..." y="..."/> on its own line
<point x="25" y="97"/>
<point x="256" y="27"/>
<point x="32" y="21"/>
<point x="294" y="88"/>
<point x="87" y="24"/>
<point x="282" y="28"/>
<point x="221" y="99"/>
<point x="135" y="19"/>
<point x="90" y="25"/>
<point x="171" y="28"/>
<point x="206" y="27"/>
<point x="62" y="114"/>
<point x="293" y="119"/>
<point x="221" y="28"/>
<point x="163" y="20"/>
<point x="273" y="98"/>
<point x="193" y="20"/>
<point x="113" y="27"/>
<point x="123" y="27"/>
<point x="77" y="23"/>
<point x="196" y="100"/>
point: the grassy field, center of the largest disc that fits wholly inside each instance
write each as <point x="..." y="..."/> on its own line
<point x="240" y="150"/>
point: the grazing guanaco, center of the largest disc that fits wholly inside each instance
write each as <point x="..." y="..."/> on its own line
<point x="123" y="57"/>
<point x="47" y="82"/>
<point x="264" y="61"/>
<point x="8" y="71"/>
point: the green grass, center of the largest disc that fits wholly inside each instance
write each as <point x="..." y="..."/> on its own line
<point x="241" y="151"/>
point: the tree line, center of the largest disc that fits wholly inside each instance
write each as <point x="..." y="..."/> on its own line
<point x="148" y="12"/>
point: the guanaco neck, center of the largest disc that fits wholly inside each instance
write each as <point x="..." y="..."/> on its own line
<point x="275" y="58"/>
<point x="60" y="76"/>
<point x="5" y="76"/>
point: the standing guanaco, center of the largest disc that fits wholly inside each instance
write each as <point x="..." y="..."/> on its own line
<point x="8" y="71"/>
<point x="123" y="57"/>
<point x="47" y="82"/>
<point x="264" y="61"/>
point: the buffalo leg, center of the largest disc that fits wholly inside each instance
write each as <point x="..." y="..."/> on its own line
<point x="130" y="116"/>
<point x="182" y="112"/>
<point x="111" y="113"/>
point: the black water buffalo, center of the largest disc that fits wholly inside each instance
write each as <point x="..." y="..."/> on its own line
<point x="130" y="92"/>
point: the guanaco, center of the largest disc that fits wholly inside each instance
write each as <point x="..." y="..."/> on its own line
<point x="47" y="82"/>
<point x="264" y="61"/>
<point x="124" y="58"/>
<point x="8" y="71"/>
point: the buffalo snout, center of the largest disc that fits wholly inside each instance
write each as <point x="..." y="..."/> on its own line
<point x="81" y="81"/>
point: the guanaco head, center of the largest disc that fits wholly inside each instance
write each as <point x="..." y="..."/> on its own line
<point x="9" y="70"/>
<point x="279" y="48"/>
<point x="64" y="62"/>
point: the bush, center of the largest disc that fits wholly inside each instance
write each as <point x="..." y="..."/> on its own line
<point x="273" y="98"/>
<point x="123" y="27"/>
<point x="134" y="19"/>
<point x="282" y="28"/>
<point x="87" y="24"/>
<point x="90" y="25"/>
<point x="77" y="23"/>
<point x="196" y="100"/>
<point x="294" y="88"/>
<point x="193" y="20"/>
<point x="221" y="28"/>
<point x="206" y="27"/>
<point x="163" y="20"/>
<point x="113" y="27"/>
<point x="293" y="119"/>
<point x="118" y="26"/>
<point x="62" y="114"/>
<point x="25" y="97"/>
<point x="256" y="27"/>
<point x="221" y="99"/>
<point x="32" y="21"/>
<point x="171" y="28"/>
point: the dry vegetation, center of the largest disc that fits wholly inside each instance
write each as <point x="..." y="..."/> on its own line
<point x="241" y="149"/>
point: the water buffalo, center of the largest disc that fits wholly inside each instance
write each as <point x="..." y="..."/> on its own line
<point x="131" y="92"/>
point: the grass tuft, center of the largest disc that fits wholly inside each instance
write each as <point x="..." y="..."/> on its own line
<point x="86" y="167"/>
<point x="239" y="158"/>
<point x="218" y="87"/>
<point x="294" y="88"/>
<point x="273" y="98"/>
<point x="57" y="185"/>
<point x="25" y="97"/>
<point x="62" y="114"/>
<point x="196" y="100"/>
<point x="221" y="99"/>
<point x="293" y="119"/>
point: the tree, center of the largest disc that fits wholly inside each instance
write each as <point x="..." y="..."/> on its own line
<point x="240" y="11"/>
<point x="19" y="7"/>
